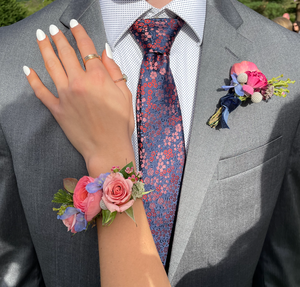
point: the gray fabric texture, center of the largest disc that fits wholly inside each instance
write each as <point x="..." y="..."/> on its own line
<point x="238" y="215"/>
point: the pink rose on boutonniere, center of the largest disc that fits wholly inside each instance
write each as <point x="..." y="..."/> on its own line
<point x="243" y="67"/>
<point x="256" y="80"/>
<point x="89" y="203"/>
<point x="117" y="193"/>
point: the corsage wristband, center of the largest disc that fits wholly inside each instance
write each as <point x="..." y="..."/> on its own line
<point x="83" y="201"/>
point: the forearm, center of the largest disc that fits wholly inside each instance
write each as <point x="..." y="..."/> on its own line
<point x="128" y="255"/>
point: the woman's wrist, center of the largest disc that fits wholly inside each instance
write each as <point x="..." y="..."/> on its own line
<point x="102" y="162"/>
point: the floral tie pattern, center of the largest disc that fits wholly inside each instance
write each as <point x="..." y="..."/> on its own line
<point x="159" y="126"/>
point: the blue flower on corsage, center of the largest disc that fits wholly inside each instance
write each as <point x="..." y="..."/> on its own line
<point x="97" y="184"/>
<point x="74" y="219"/>
<point x="247" y="82"/>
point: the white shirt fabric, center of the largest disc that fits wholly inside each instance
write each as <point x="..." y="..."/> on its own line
<point x="118" y="17"/>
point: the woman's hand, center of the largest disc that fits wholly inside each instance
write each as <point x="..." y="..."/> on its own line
<point x="94" y="112"/>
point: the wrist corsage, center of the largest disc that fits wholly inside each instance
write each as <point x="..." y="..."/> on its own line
<point x="247" y="82"/>
<point x="83" y="201"/>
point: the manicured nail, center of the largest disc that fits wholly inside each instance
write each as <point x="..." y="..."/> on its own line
<point x="53" y="30"/>
<point x="73" y="23"/>
<point x="40" y="35"/>
<point x="108" y="51"/>
<point x="26" y="71"/>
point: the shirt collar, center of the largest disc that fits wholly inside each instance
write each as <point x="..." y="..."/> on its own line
<point x="118" y="16"/>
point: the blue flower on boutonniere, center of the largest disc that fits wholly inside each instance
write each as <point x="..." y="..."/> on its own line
<point x="247" y="82"/>
<point x="238" y="88"/>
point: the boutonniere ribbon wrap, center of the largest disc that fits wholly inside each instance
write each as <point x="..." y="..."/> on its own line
<point x="83" y="201"/>
<point x="248" y="83"/>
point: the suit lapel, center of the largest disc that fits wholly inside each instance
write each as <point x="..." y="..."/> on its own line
<point x="88" y="14"/>
<point x="222" y="47"/>
<point x="75" y="10"/>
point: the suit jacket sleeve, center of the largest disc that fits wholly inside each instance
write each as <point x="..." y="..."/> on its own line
<point x="19" y="265"/>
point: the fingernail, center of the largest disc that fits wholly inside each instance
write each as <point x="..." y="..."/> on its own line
<point x="73" y="23"/>
<point x="26" y="70"/>
<point x="108" y="51"/>
<point x="53" y="30"/>
<point x="40" y="35"/>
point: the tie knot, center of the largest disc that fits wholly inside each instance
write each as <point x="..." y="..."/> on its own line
<point x="156" y="35"/>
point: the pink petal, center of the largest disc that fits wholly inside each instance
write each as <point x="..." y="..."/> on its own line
<point x="126" y="205"/>
<point x="70" y="222"/>
<point x="113" y="207"/>
<point x="256" y="80"/>
<point x="242" y="67"/>
<point x="248" y="89"/>
<point x="93" y="205"/>
<point x="110" y="206"/>
<point x="80" y="193"/>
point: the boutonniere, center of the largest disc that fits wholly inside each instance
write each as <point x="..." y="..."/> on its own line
<point x="248" y="83"/>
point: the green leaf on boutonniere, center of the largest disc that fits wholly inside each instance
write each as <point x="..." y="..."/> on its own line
<point x="64" y="197"/>
<point x="130" y="213"/>
<point x="70" y="184"/>
<point x="123" y="172"/>
<point x="108" y="217"/>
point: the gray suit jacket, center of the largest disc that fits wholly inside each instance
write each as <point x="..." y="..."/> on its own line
<point x="238" y="218"/>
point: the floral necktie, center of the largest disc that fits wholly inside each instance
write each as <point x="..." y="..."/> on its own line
<point x="159" y="126"/>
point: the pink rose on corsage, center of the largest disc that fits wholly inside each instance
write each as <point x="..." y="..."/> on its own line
<point x="74" y="219"/>
<point x="89" y="203"/>
<point x="117" y="193"/>
<point x="256" y="80"/>
<point x="70" y="223"/>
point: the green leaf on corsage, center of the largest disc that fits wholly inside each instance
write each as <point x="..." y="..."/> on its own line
<point x="130" y="213"/>
<point x="70" y="184"/>
<point x="64" y="197"/>
<point x="62" y="209"/>
<point x="123" y="170"/>
<point x="108" y="217"/>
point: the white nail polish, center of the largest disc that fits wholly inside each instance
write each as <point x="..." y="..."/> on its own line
<point x="26" y="70"/>
<point x="53" y="30"/>
<point x="108" y="51"/>
<point x="73" y="23"/>
<point x="40" y="35"/>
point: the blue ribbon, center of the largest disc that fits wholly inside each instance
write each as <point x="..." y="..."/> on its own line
<point x="229" y="103"/>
